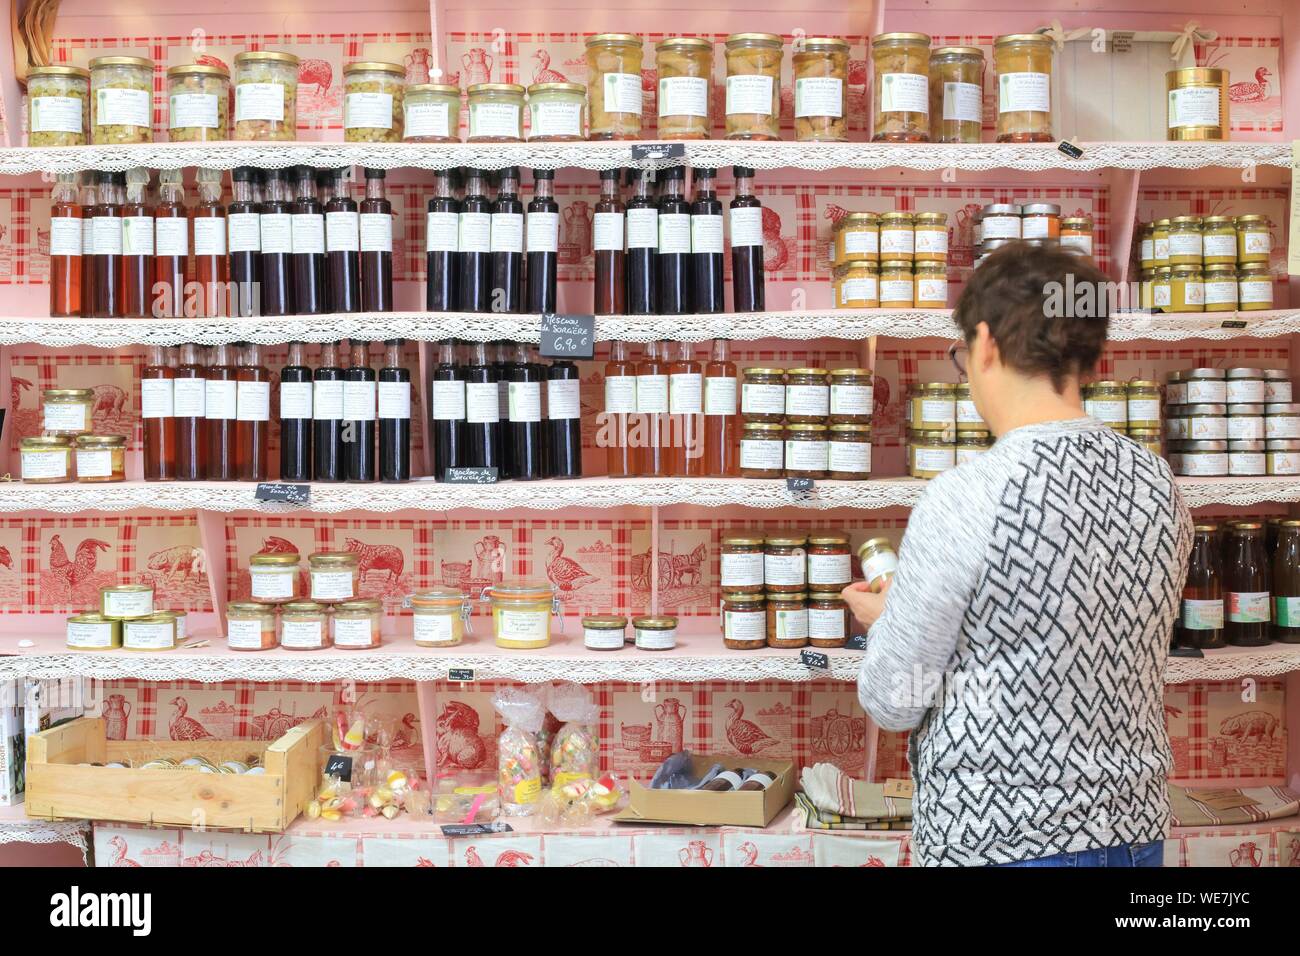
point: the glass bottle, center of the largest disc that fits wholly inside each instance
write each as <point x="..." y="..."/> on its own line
<point x="475" y="242"/>
<point x="328" y="448"/>
<point x="686" y="412"/>
<point x="564" y="420"/>
<point x="136" y="278"/>
<point x="376" y="246"/>
<point x="441" y="243"/>
<point x="394" y="415"/>
<point x="211" y="268"/>
<point x="342" y="244"/>
<point x="543" y="243"/>
<point x="706" y="244"/>
<point x="244" y="242"/>
<point x="1286" y="583"/>
<point x="171" y="245"/>
<point x="508" y="245"/>
<point x="324" y="185"/>
<point x="540" y="369"/>
<point x="65" y="248"/>
<point x="1246" y="586"/>
<point x="642" y="245"/>
<point x="721" y="441"/>
<point x="88" y="191"/>
<point x="507" y="361"/>
<point x="1201" y="619"/>
<point x="359" y="397"/>
<point x="449" y="448"/>
<point x="482" y="411"/>
<point x="296" y="416"/>
<point x="620" y="411"/>
<point x="277" y="262"/>
<point x="189" y="403"/>
<point x="157" y="410"/>
<point x="309" y="268"/>
<point x="748" y="288"/>
<point x="221" y="408"/>
<point x="673" y="261"/>
<point x="253" y="428"/>
<point x="524" y="425"/>
<point x="652" y="410"/>
<point x="609" y="247"/>
<point x="106" y="239"/>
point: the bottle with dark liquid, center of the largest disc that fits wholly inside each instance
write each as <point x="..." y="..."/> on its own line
<point x="708" y="279"/>
<point x="106" y="238"/>
<point x="1286" y="583"/>
<point x="189" y="402"/>
<point x="1200" y="621"/>
<point x="1246" y="586"/>
<point x="506" y="362"/>
<point x="620" y="411"/>
<point x="482" y="411"/>
<point x="543" y="243"/>
<point x="324" y="185"/>
<point x="652" y="411"/>
<point x="89" y="198"/>
<point x="564" y="420"/>
<point x="296" y="416"/>
<point x="448" y="411"/>
<point x="686" y="413"/>
<point x="157" y="410"/>
<point x="508" y="245"/>
<point x="609" y="247"/>
<point x="475" y="242"/>
<point x="359" y="398"/>
<point x="642" y="246"/>
<point x="309" y="294"/>
<point x="137" y="248"/>
<point x="673" y="261"/>
<point x="524" y="426"/>
<point x="748" y="287"/>
<point x="253" y="426"/>
<point x="441" y="244"/>
<point x="721" y="431"/>
<point x="171" y="246"/>
<point x="244" y="242"/>
<point x="376" y="246"/>
<point x="65" y="248"/>
<point x="342" y="247"/>
<point x="277" y="245"/>
<point x="541" y="367"/>
<point x="394" y="415"/>
<point x="327" y="414"/>
<point x="211" y="267"/>
<point x="222" y="407"/>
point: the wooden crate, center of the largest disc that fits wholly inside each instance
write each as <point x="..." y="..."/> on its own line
<point x="59" y="787"/>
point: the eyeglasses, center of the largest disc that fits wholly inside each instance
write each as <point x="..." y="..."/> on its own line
<point x="958" y="354"/>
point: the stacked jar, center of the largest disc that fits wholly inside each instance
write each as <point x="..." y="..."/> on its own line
<point x="1238" y="422"/>
<point x="931" y="424"/>
<point x="973" y="435"/>
<point x="126" y="618"/>
<point x="331" y="612"/>
<point x="1036" y="223"/>
<point x="806" y="423"/>
<point x="1130" y="408"/>
<point x="1205" y="264"/>
<point x="67" y="448"/>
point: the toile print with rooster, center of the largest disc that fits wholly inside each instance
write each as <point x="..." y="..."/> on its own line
<point x="73" y="569"/>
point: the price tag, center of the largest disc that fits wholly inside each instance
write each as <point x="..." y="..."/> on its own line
<point x="858" y="642"/>
<point x="289" y="494"/>
<point x="471" y="476"/>
<point x="460" y="673"/>
<point x="474" y="829"/>
<point x="1121" y="41"/>
<point x="568" y="336"/>
<point x="644" y="151"/>
<point x="339" y="766"/>
<point x="799" y="485"/>
<point x="898" y="788"/>
<point x="1069" y="149"/>
<point x="1186" y="652"/>
<point x="1233" y="324"/>
<point x="815" y="659"/>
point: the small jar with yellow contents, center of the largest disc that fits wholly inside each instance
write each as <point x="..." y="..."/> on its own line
<point x="1186" y="289"/>
<point x="1218" y="241"/>
<point x="522" y="612"/>
<point x="440" y="616"/>
<point x="1254" y="241"/>
<point x="45" y="459"/>
<point x="1254" y="287"/>
<point x="1185" y="241"/>
<point x="930" y="285"/>
<point x="857" y="286"/>
<point x="897" y="288"/>
<point x="1147" y="247"/>
<point x="1220" y="287"/>
<point x="67" y="412"/>
<point x="101" y="458"/>
<point x="1160" y="243"/>
<point x="856" y="238"/>
<point x="1162" y="289"/>
<point x="897" y="236"/>
<point x="930" y="243"/>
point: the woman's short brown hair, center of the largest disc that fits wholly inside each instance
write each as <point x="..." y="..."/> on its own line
<point x="1047" y="309"/>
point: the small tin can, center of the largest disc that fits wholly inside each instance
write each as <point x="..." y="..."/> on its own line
<point x="126" y="601"/>
<point x="93" y="632"/>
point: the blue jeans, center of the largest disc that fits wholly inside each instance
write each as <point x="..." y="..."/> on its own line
<point x="1126" y="854"/>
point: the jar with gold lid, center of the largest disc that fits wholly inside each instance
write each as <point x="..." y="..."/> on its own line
<point x="440" y="616"/>
<point x="785" y="562"/>
<point x="744" y="620"/>
<point x="856" y="238"/>
<point x="266" y="95"/>
<point x="830" y="564"/>
<point x="1161" y="289"/>
<point x="67" y="412"/>
<point x="1186" y="289"/>
<point x="787" y="618"/>
<point x="1254" y="241"/>
<point x="934" y="405"/>
<point x="930" y="285"/>
<point x="1148" y="438"/>
<point x="1160" y="243"/>
<point x="356" y="624"/>
<point x="897" y="289"/>
<point x="614" y="97"/>
<point x="1254" y="287"/>
<point x="157" y="632"/>
<point x="900" y="98"/>
<point x="971" y="445"/>
<point x="930" y="242"/>
<point x="807" y="395"/>
<point x="897" y="236"/>
<point x="807" y="450"/>
<point x="496" y="113"/>
<point x="878" y="561"/>
<point x="753" y="99"/>
<point x="1108" y="401"/>
<point x="851" y="395"/>
<point x="101" y="458"/>
<point x="956" y="94"/>
<point x="58" y="105"/>
<point x="121" y="100"/>
<point x="856" y="285"/>
<point x="604" y="632"/>
<point x="45" y="459"/>
<point x="305" y="626"/>
<point x="655" y="633"/>
<point x="123" y="602"/>
<point x="1040" y="220"/>
<point x="1185" y="242"/>
<point x="431" y="113"/>
<point x="273" y="578"/>
<point x="762" y="394"/>
<point x="555" y="112"/>
<point x="740" y="562"/>
<point x="372" y="102"/>
<point x="334" y="576"/>
<point x="821" y="79"/>
<point x="762" y="450"/>
<point x="522" y="612"/>
<point x="828" y="620"/>
<point x="1218" y="240"/>
<point x="930" y="453"/>
<point x="1197" y="104"/>
<point x="1142" y="404"/>
<point x="1147" y="246"/>
<point x="1076" y="234"/>
<point x="92" y="632"/>
<point x="198" y="97"/>
<point x="1023" y="62"/>
<point x="685" y="68"/>
<point x="849" y="453"/>
<point x="250" y="626"/>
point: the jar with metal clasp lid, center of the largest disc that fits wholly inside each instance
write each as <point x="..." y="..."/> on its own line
<point x="1218" y="241"/>
<point x="522" y="612"/>
<point x="856" y="237"/>
<point x="1185" y="241"/>
<point x="1220" y="287"/>
<point x="440" y="616"/>
<point x="744" y="620"/>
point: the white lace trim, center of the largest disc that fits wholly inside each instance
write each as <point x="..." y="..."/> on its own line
<point x="1230" y="663"/>
<point x="610" y="155"/>
<point x="1203" y="492"/>
<point x="73" y="832"/>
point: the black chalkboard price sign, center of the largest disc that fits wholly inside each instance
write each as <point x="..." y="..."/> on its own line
<point x="278" y="491"/>
<point x="471" y="476"/>
<point x="816" y="660"/>
<point x="858" y="642"/>
<point x="658" y="151"/>
<point x="799" y="485"/>
<point x="339" y="765"/>
<point x="568" y="336"/>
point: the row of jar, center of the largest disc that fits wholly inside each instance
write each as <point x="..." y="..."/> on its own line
<point x="1239" y="385"/>
<point x="1204" y="241"/>
<point x="785" y="562"/>
<point x="1239" y="459"/>
<point x="905" y="236"/>
<point x="932" y="451"/>
<point x="1215" y="288"/>
<point x="1238" y="422"/>
<point x="891" y="284"/>
<point x="942" y="406"/>
<point x="53" y="459"/>
<point x="805" y="450"/>
<point x="1124" y="405"/>
<point x="1007" y="221"/>
<point x="814" y="396"/>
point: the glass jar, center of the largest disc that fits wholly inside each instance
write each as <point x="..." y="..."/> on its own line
<point x="900" y="94"/>
<point x="830" y="566"/>
<point x="897" y="236"/>
<point x="496" y="113"/>
<point x="157" y="632"/>
<point x="968" y="416"/>
<point x="1204" y="386"/>
<point x="787" y="619"/>
<point x="655" y="633"/>
<point x="121" y="100"/>
<point x="849" y="453"/>
<point x="123" y="602"/>
<point x="1185" y="241"/>
<point x="1246" y="586"/>
<point x="856" y="238"/>
<point x="1277" y="385"/>
<point x="93" y="632"/>
<point x="931" y="237"/>
<point x="807" y="395"/>
<point x="372" y="102"/>
<point x="851" y="395"/>
<point x="821" y="77"/>
<point x="956" y="94"/>
<point x="555" y="112"/>
<point x="68" y="412"/>
<point x="1244" y="385"/>
<point x="273" y="578"/>
<point x="762" y="395"/>
<point x="1108" y="401"/>
<point x="785" y="563"/>
<point x="1148" y="438"/>
<point x="879" y="562"/>
<point x="1218" y="241"/>
<point x="1197" y="104"/>
<point x="305" y="626"/>
<point x="1254" y="241"/>
<point x="431" y="113"/>
<point x="1254" y="287"/>
<point x="934" y="405"/>
<point x="1162" y="289"/>
<point x="101" y="458"/>
<point x="971" y="445"/>
<point x="439" y="616"/>
<point x="930" y="454"/>
<point x="1143" y="404"/>
<point x="604" y="632"/>
<point x="930" y="285"/>
<point x="266" y="96"/>
<point x="740" y="562"/>
<point x="614" y="96"/>
<point x="1160" y="243"/>
<point x="744" y="620"/>
<point x="335" y="576"/>
<point x="521" y="613"/>
<point x="1175" y="389"/>
<point x="856" y="285"/>
<point x="1146" y="246"/>
<point x="1281" y="420"/>
<point x="1186" y="289"/>
<point x="1220" y="283"/>
<point x="356" y="624"/>
<point x="753" y="101"/>
<point x="58" y="105"/>
<point x="1040" y="220"/>
<point x="1023" y="62"/>
<point x="807" y="450"/>
<point x="896" y="284"/>
<point x="1245" y="423"/>
<point x="198" y="103"/>
<point x="1076" y="233"/>
<point x="685" y="68"/>
<point x="1282" y="456"/>
<point x="1205" y="422"/>
<point x="250" y="626"/>
<point x="828" y="620"/>
<point x="762" y="450"/>
<point x="1246" y="459"/>
<point x="45" y="459"/>
<point x="1000" y="220"/>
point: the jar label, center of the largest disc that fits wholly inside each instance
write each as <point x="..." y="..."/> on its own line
<point x="686" y="393"/>
<point x="395" y="400"/>
<point x="1204" y="464"/>
<point x="861" y="241"/>
<point x="1148" y="250"/>
<point x="555" y="118"/>
<point x="507" y="232"/>
<point x="934" y="459"/>
<point x="931" y="292"/>
<point x="1143" y="409"/>
<point x="762" y="454"/>
<point x="368" y="111"/>
<point x="128" y="603"/>
<point x="818" y="96"/>
<point x="620" y="395"/>
<point x="106" y="235"/>
<point x="1277" y="391"/>
<point x="349" y="632"/>
<point x="243" y="232"/>
<point x="1245" y="391"/>
<point x="879" y="565"/>
<point x="342" y="231"/>
<point x="137" y="236"/>
<point x="1221" y="292"/>
<point x="853" y="457"/>
<point x="1024" y="92"/>
<point x="622" y="92"/>
<point x="272" y="584"/>
<point x="448" y="400"/>
<point x="65" y="236"/>
<point x="193" y="111"/>
<point x="706" y="234"/>
<point x="1287" y="611"/>
<point x="525" y="401"/>
<point x="968" y="414"/>
<point x="937" y="411"/>
<point x="253" y="401"/>
<point x="494" y="119"/>
<point x="904" y="93"/>
<point x="56" y="114"/>
<point x="1001" y="227"/>
<point x="1194" y="106"/>
<point x="786" y="570"/>
<point x="1110" y="410"/>
<point x="762" y="399"/>
<point x="332" y="585"/>
<point x="1255" y="291"/>
<point x="301" y="635"/>
<point x="189" y="397"/>
<point x="259" y="101"/>
<point x="1034" y="227"/>
<point x="652" y="394"/>
<point x="807" y="455"/>
<point x="896" y="291"/>
<point x="851" y="399"/>
<point x="829" y="569"/>
<point x="427" y="119"/>
<point x="743" y="570"/>
<point x="543" y="232"/>
<point x="932" y="241"/>
<point x="750" y="93"/>
<point x="655" y="639"/>
<point x="244" y="635"/>
<point x="359" y="401"/>
<point x="607" y="232"/>
<point x="1162" y="249"/>
<point x="1081" y="242"/>
<point x="295" y="400"/>
<point x="210" y="236"/>
<point x="327" y="401"/>
<point x="808" y="400"/>
<point x="97" y="634"/>
<point x="859" y="290"/>
<point x="436" y="629"/>
<point x="791" y="625"/>
<point x="1246" y="428"/>
<point x="744" y="625"/>
<point x="674" y="234"/>
<point x="1211" y="392"/>
<point x="157" y="398"/>
<point x="1185" y="244"/>
<point x="1242" y="464"/>
<point x="308" y="233"/>
<point x="276" y="233"/>
<point x="897" y="241"/>
<point x="824" y="625"/>
<point x="1283" y="463"/>
<point x="1202" y="615"/>
<point x="642" y="229"/>
<point x="1281" y="426"/>
<point x="441" y="232"/>
<point x="88" y="235"/>
<point x="1247" y="607"/>
<point x="94" y="463"/>
<point x="1256" y="242"/>
<point x="519" y="625"/>
<point x="720" y="396"/>
<point x="482" y="403"/>
<point x="141" y="636"/>
<point x="683" y="96"/>
<point x="963" y="102"/>
<point x="968" y="454"/>
<point x="563" y="399"/>
<point x="120" y="107"/>
<point x="1162" y="295"/>
<point x="376" y="232"/>
<point x="220" y="400"/>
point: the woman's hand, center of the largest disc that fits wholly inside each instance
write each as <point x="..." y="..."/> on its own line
<point x="866" y="605"/>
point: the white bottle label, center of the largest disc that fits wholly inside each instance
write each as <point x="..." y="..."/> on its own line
<point x="157" y="398"/>
<point x="642" y="229"/>
<point x="193" y="110"/>
<point x="1024" y="92"/>
<point x="543" y="232"/>
<point x="720" y="396"/>
<point x="254" y="401"/>
<point x="652" y="394"/>
<point x="308" y="233"/>
<point x="65" y="236"/>
<point x="368" y="111"/>
<point x="622" y="92"/>
<point x="220" y="400"/>
<point x="119" y="107"/>
<point x="475" y="232"/>
<point x="683" y="96"/>
<point x="904" y="93"/>
<point x="142" y="636"/>
<point x="747" y="226"/>
<point x="706" y="234"/>
<point x="507" y="232"/>
<point x="448" y="401"/>
<point x="931" y="292"/>
<point x="896" y="290"/>
<point x="376" y="232"/>
<point x="56" y="114"/>
<point x="607" y="232"/>
<point x="674" y="234"/>
<point x="494" y="119"/>
<point x="620" y="394"/>
<point x="327" y="401"/>
<point x="342" y="231"/>
<point x="441" y="232"/>
<point x="244" y="232"/>
<point x="295" y="400"/>
<point x="94" y="463"/>
<point x="189" y="397"/>
<point x="359" y="401"/>
<point x="750" y="93"/>
<point x="686" y="393"/>
<point x="276" y="233"/>
<point x="395" y="400"/>
<point x="427" y="119"/>
<point x="744" y="625"/>
<point x="1194" y="106"/>
<point x="259" y="101"/>
<point x="963" y="102"/>
<point x="210" y="236"/>
<point x="525" y="401"/>
<point x="818" y="96"/>
<point x="106" y="235"/>
<point x="482" y="403"/>
<point x="934" y="459"/>
<point x="1255" y="290"/>
<point x="763" y="454"/>
<point x="552" y="118"/>
<point x="96" y="635"/>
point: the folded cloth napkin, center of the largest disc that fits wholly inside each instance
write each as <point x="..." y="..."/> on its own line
<point x="832" y="790"/>
<point x="814" y="819"/>
<point x="1213" y="806"/>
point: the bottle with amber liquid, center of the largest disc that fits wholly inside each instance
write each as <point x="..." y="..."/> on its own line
<point x="394" y="415"/>
<point x="708" y="278"/>
<point x="244" y="242"/>
<point x="277" y="262"/>
<point x="642" y="222"/>
<point x="106" y="240"/>
<point x="543" y="243"/>
<point x="65" y="248"/>
<point x="328" y="447"/>
<point x="721" y="429"/>
<point x="673" y="261"/>
<point x="620" y="411"/>
<point x="1200" y="621"/>
<point x="448" y="411"/>
<point x="1246" y="586"/>
<point x="157" y="410"/>
<point x="222" y="412"/>
<point x="508" y="245"/>
<point x="295" y="416"/>
<point x="652" y="411"/>
<point x="253" y="419"/>
<point x="211" y="265"/>
<point x="376" y="246"/>
<point x="524" y="423"/>
<point x="359" y="399"/>
<point x="482" y="411"/>
<point x="189" y="404"/>
<point x="563" y="420"/>
<point x="137" y="248"/>
<point x="171" y="227"/>
<point x="686" y="413"/>
<point x="748" y="286"/>
<point x="309" y="292"/>
<point x="441" y="246"/>
<point x="342" y="247"/>
<point x="475" y="244"/>
<point x="1286" y="583"/>
<point x="88" y="193"/>
<point x="609" y="247"/>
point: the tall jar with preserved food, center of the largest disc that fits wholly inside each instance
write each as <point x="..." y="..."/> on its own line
<point x="956" y="94"/>
<point x="753" y="101"/>
<point x="900" y="95"/>
<point x="266" y="95"/>
<point x="1246" y="586"/>
<point x="1286" y="583"/>
<point x="1197" y="104"/>
<point x="1024" y="78"/>
<point x="821" y="76"/>
<point x="685" y="67"/>
<point x="58" y="105"/>
<point x="614" y="97"/>
<point x="121" y="100"/>
<point x="1200" y="622"/>
<point x="372" y="102"/>
<point x="198" y="103"/>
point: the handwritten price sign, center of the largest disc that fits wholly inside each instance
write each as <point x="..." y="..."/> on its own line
<point x="568" y="336"/>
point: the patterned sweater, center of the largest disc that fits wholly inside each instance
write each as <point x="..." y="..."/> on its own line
<point x="1024" y="642"/>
